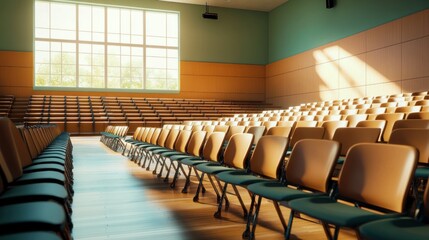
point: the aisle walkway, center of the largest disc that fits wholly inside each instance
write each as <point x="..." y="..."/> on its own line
<point x="110" y="203"/>
<point x="116" y="199"/>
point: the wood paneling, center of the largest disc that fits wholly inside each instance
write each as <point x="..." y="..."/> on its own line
<point x="198" y="80"/>
<point x="387" y="59"/>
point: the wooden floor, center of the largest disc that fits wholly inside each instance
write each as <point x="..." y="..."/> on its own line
<point x="116" y="199"/>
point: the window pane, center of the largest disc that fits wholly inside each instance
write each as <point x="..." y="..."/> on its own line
<point x="73" y="49"/>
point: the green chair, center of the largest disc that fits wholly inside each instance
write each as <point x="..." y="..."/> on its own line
<point x="211" y="151"/>
<point x="310" y="168"/>
<point x="374" y="176"/>
<point x="400" y="228"/>
<point x="234" y="157"/>
<point x="264" y="164"/>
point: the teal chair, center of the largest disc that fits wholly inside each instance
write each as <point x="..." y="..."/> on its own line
<point x="211" y="152"/>
<point x="264" y="164"/>
<point x="310" y="168"/>
<point x="400" y="228"/>
<point x="234" y="157"/>
<point x="194" y="149"/>
<point x="374" y="176"/>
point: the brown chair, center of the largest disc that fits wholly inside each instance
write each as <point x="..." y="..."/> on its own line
<point x="235" y="155"/>
<point x="257" y="132"/>
<point x="305" y="133"/>
<point x="331" y="126"/>
<point x="411" y="123"/>
<point x="264" y="163"/>
<point x="310" y="168"/>
<point x="418" y="138"/>
<point x="418" y="115"/>
<point x="279" y="131"/>
<point x="361" y="184"/>
<point x="401" y="227"/>
<point x="348" y="137"/>
<point x="355" y="119"/>
<point x="390" y="118"/>
<point x="211" y="151"/>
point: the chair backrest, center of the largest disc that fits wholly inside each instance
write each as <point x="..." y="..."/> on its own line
<point x="213" y="146"/>
<point x="331" y="126"/>
<point x="390" y="118"/>
<point x="234" y="130"/>
<point x="268" y="155"/>
<point x="378" y="175"/>
<point x="13" y="148"/>
<point x="312" y="163"/>
<point x="171" y="139"/>
<point x="142" y="135"/>
<point x="306" y="133"/>
<point x="355" y="119"/>
<point x="351" y="136"/>
<point x="197" y="128"/>
<point x="286" y="124"/>
<point x="411" y="123"/>
<point x="149" y="135"/>
<point x="196" y="143"/>
<point x="257" y="132"/>
<point x="416" y="137"/>
<point x="418" y="115"/>
<point x="208" y="129"/>
<point x="280" y="131"/>
<point x="237" y="150"/>
<point x="137" y="132"/>
<point x="31" y="145"/>
<point x="221" y="128"/>
<point x="269" y="124"/>
<point x="155" y="135"/>
<point x="182" y="140"/>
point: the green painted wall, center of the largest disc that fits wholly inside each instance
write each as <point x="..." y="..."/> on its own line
<point x="238" y="36"/>
<point x="300" y="25"/>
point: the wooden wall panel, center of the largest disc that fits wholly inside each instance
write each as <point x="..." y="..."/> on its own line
<point x="388" y="59"/>
<point x="198" y="80"/>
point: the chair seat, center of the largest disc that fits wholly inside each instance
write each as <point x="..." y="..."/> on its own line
<point x="45" y="167"/>
<point x="239" y="177"/>
<point x="34" y="192"/>
<point x="44" y="176"/>
<point x="172" y="153"/>
<point x="328" y="210"/>
<point x="181" y="157"/>
<point x="36" y="235"/>
<point x="277" y="191"/>
<point x="48" y="160"/>
<point x="31" y="216"/>
<point x="422" y="172"/>
<point x="392" y="229"/>
<point x="193" y="161"/>
<point x="213" y="168"/>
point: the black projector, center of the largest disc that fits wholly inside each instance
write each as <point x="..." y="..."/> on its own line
<point x="210" y="15"/>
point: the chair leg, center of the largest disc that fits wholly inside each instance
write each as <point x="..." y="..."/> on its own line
<point x="237" y="193"/>
<point x="176" y="174"/>
<point x="255" y="218"/>
<point x="218" y="213"/>
<point x="188" y="180"/>
<point x="200" y="184"/>
<point x="289" y="227"/>
<point x="327" y="231"/>
<point x="214" y="187"/>
<point x="246" y="233"/>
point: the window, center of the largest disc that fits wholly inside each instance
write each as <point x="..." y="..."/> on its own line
<point x="80" y="46"/>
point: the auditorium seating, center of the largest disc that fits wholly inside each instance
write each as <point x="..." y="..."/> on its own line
<point x="92" y="114"/>
<point x="35" y="182"/>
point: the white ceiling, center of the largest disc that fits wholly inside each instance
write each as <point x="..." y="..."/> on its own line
<point x="258" y="5"/>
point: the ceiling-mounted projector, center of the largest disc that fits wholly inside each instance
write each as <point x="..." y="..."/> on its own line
<point x="208" y="14"/>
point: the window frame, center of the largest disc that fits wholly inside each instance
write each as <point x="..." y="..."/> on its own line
<point x="106" y="45"/>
